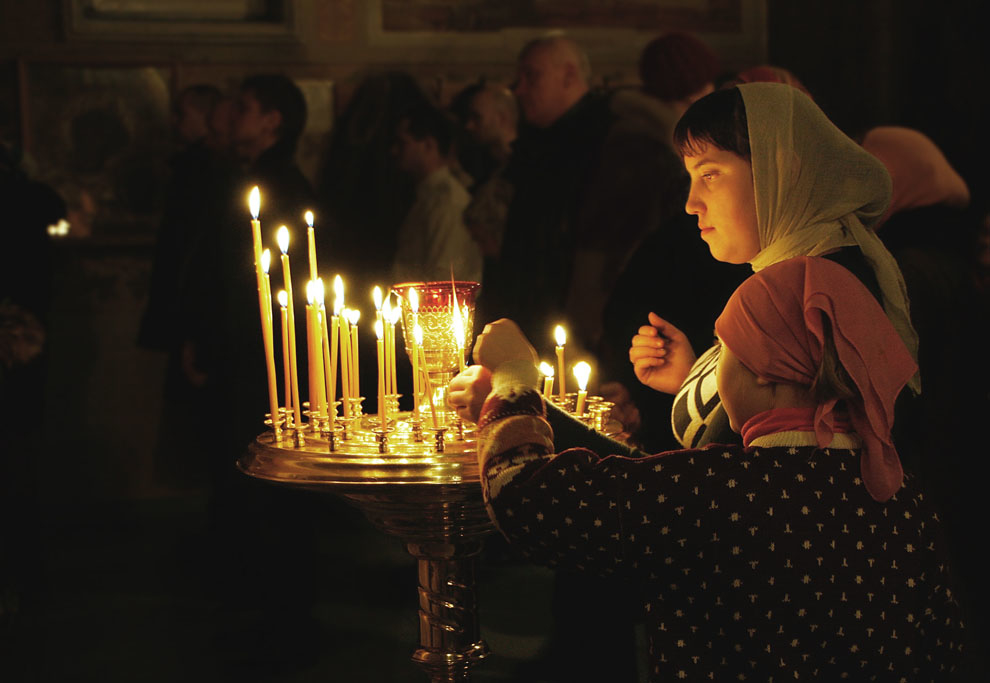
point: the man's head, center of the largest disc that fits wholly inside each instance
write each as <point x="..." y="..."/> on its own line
<point x="493" y="116"/>
<point x="552" y="75"/>
<point x="271" y="110"/>
<point x="191" y="113"/>
<point x="422" y="140"/>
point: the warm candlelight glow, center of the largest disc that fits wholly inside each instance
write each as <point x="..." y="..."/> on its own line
<point x="379" y="330"/>
<point x="561" y="336"/>
<point x="582" y="371"/>
<point x="254" y="202"/>
<point x="458" y="323"/>
<point x="547" y="370"/>
<point x="338" y="295"/>
<point x="283" y="298"/>
<point x="266" y="260"/>
<point x="282" y="237"/>
<point x="319" y="292"/>
<point x="353" y="315"/>
<point x="309" y="218"/>
<point x="414" y="300"/>
<point x="418" y="335"/>
<point x="310" y="289"/>
<point x="376" y="295"/>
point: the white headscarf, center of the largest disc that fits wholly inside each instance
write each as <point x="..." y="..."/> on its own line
<point x="817" y="190"/>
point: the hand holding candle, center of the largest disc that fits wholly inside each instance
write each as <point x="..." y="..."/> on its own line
<point x="582" y="371"/>
<point x="458" y="324"/>
<point x="561" y="337"/>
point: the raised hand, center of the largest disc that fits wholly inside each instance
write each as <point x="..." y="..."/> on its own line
<point x="661" y="355"/>
<point x="500" y="342"/>
<point x="467" y="392"/>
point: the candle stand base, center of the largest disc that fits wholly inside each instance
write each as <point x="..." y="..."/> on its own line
<point x="427" y="497"/>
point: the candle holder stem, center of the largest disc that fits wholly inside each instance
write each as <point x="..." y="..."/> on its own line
<point x="449" y="632"/>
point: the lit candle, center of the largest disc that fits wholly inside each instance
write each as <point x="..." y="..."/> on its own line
<point x="393" y="317"/>
<point x="283" y="244"/>
<point x="283" y="298"/>
<point x="582" y="371"/>
<point x="327" y="406"/>
<point x="352" y="317"/>
<point x="338" y="303"/>
<point x="311" y="241"/>
<point x="427" y="384"/>
<point x="314" y="345"/>
<point x="414" y="306"/>
<point x="345" y="360"/>
<point x="254" y="205"/>
<point x="380" y="333"/>
<point x="458" y="323"/>
<point x="417" y="341"/>
<point x="561" y="336"/>
<point x="376" y="296"/>
<point x="264" y="301"/>
<point x="547" y="371"/>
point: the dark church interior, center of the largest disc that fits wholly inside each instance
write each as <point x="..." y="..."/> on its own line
<point x="131" y="546"/>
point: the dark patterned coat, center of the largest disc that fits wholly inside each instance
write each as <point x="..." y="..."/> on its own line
<point x="769" y="563"/>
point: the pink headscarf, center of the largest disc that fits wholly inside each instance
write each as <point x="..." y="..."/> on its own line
<point x="774" y="324"/>
<point x="919" y="171"/>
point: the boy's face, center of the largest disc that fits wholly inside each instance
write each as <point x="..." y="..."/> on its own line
<point x="254" y="129"/>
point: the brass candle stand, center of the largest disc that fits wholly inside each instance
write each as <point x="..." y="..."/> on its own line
<point x="416" y="481"/>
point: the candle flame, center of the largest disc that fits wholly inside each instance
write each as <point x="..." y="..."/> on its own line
<point x="394" y="315"/>
<point x="282" y="237"/>
<point x="560" y="335"/>
<point x="582" y="371"/>
<point x="319" y="291"/>
<point x="458" y="330"/>
<point x="414" y="300"/>
<point x="546" y="369"/>
<point x="338" y="295"/>
<point x="379" y="329"/>
<point x="376" y="294"/>
<point x="418" y="335"/>
<point x="310" y="291"/>
<point x="309" y="218"/>
<point x="283" y="298"/>
<point x="266" y="260"/>
<point x="387" y="308"/>
<point x="254" y="202"/>
<point x="353" y="315"/>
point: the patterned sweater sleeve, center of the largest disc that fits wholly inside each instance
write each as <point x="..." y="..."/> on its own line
<point x="577" y="509"/>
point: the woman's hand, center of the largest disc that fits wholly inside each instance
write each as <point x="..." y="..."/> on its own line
<point x="467" y="392"/>
<point x="500" y="342"/>
<point x="661" y="355"/>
